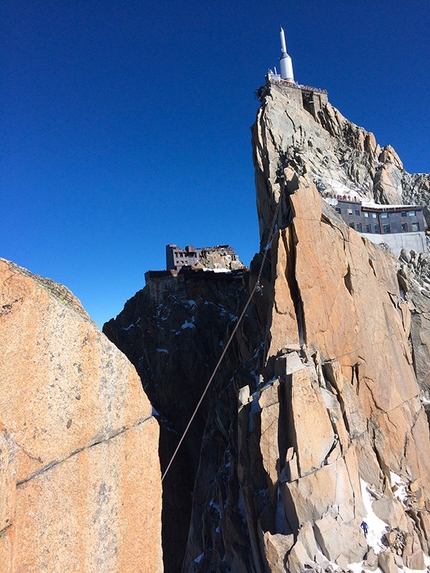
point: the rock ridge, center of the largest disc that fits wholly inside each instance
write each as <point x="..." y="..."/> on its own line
<point x="315" y="422"/>
<point x="339" y="156"/>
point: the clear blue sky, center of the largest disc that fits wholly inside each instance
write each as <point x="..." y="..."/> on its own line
<point x="125" y="123"/>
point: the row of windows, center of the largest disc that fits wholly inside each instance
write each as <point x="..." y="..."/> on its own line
<point x="384" y="215"/>
<point x="185" y="255"/>
<point x="385" y="228"/>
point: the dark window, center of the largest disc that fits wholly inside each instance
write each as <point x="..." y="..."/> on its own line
<point x="415" y="226"/>
<point x="386" y="229"/>
<point x="403" y="213"/>
<point x="359" y="227"/>
<point x="338" y="209"/>
<point x="368" y="228"/>
<point x="376" y="227"/>
<point x="351" y="225"/>
<point x="357" y="212"/>
<point x="404" y="226"/>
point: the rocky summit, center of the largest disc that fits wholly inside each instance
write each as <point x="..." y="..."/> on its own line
<point x="311" y="448"/>
<point x="269" y="419"/>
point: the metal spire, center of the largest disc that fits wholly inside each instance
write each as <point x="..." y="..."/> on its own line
<point x="285" y="61"/>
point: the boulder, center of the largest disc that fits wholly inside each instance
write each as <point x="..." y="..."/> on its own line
<point x="337" y="538"/>
<point x="387" y="562"/>
<point x="371" y="560"/>
<point x="413" y="556"/>
<point x="276" y="547"/>
<point x="298" y="558"/>
<point x="392" y="512"/>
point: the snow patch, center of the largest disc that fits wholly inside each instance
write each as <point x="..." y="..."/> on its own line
<point x="187" y="324"/>
<point x="223" y="270"/>
<point x="358" y="568"/>
<point x="216" y="507"/>
<point x="399" y="487"/>
<point x="162" y="350"/>
<point x="343" y="189"/>
<point x="199" y="558"/>
<point x="377" y="527"/>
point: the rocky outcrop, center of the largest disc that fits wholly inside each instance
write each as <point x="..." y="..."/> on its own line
<point x="219" y="258"/>
<point x="315" y="421"/>
<point x="174" y="331"/>
<point x="364" y="379"/>
<point x="79" y="471"/>
<point x="414" y="279"/>
<point x="364" y="374"/>
<point x="340" y="157"/>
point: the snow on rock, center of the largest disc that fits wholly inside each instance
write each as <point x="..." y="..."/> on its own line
<point x="199" y="558"/>
<point x="376" y="526"/>
<point x="399" y="487"/>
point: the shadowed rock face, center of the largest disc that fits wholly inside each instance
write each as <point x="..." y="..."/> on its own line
<point x="79" y="472"/>
<point x="174" y="331"/>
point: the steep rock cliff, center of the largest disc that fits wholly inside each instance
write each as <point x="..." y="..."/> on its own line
<point x="315" y="421"/>
<point x="174" y="331"/>
<point x="341" y="157"/>
<point x="79" y="471"/>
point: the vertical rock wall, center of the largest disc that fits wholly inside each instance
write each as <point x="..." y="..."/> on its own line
<point x="315" y="421"/>
<point x="353" y="408"/>
<point x="333" y="431"/>
<point x="174" y="331"/>
<point x="79" y="470"/>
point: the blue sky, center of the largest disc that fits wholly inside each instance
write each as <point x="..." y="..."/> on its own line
<point x="125" y="123"/>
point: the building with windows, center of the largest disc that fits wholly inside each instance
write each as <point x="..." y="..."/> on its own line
<point x="399" y="226"/>
<point x="177" y="258"/>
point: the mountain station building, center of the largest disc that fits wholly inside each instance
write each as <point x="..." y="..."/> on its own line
<point x="399" y="226"/>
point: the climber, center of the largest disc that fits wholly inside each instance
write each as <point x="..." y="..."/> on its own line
<point x="364" y="527"/>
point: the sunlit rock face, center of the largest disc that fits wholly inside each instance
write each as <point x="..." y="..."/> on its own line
<point x="315" y="422"/>
<point x="353" y="413"/>
<point x="80" y="478"/>
<point x="338" y="156"/>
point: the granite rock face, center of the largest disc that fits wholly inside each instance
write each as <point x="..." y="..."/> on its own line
<point x="79" y="471"/>
<point x="414" y="278"/>
<point x="315" y="419"/>
<point x="338" y="156"/>
<point x="174" y="331"/>
<point x="352" y="306"/>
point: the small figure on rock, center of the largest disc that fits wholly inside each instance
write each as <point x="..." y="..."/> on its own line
<point x="364" y="527"/>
